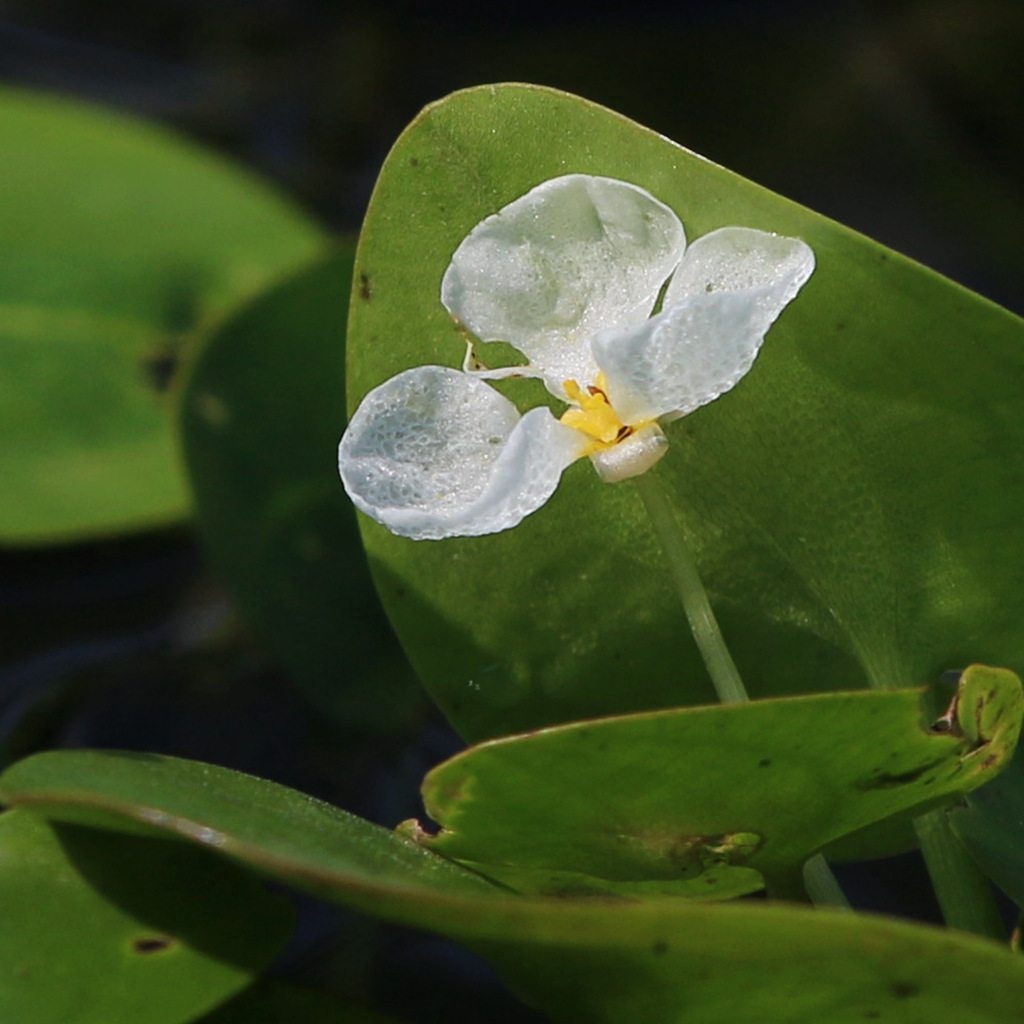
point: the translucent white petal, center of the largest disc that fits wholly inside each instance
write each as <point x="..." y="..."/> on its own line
<point x="744" y="260"/>
<point x="729" y="289"/>
<point x="436" y="453"/>
<point x="575" y="255"/>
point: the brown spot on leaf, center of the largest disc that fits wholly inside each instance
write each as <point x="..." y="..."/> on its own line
<point x="152" y="944"/>
<point x="365" y="291"/>
<point x="888" y="780"/>
<point x="160" y="365"/>
<point x="660" y="948"/>
<point x="904" y="989"/>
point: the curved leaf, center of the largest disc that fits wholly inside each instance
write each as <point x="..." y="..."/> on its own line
<point x="692" y="795"/>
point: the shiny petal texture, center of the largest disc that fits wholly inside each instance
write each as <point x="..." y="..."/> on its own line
<point x="435" y="453"/>
<point x="574" y="255"/>
<point x="727" y="292"/>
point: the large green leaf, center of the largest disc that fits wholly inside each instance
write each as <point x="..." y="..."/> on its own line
<point x="853" y="504"/>
<point x="116" y="241"/>
<point x="586" y="961"/>
<point x="690" y="796"/>
<point x="107" y="929"/>
<point x="261" y="416"/>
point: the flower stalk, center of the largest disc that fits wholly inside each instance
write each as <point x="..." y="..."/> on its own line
<point x="683" y="569"/>
<point x="818" y="880"/>
<point x="964" y="893"/>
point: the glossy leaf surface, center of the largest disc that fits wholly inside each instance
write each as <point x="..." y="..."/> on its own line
<point x="582" y="960"/>
<point x="686" y="794"/>
<point x="261" y="415"/>
<point x="101" y="928"/>
<point x="117" y="240"/>
<point x="850" y="502"/>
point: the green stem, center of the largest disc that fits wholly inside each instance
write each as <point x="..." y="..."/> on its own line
<point x="964" y="893"/>
<point x="822" y="886"/>
<point x="728" y="684"/>
<point x="820" y="883"/>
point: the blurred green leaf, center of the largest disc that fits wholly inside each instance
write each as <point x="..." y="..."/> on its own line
<point x="690" y="796"/>
<point x="101" y="928"/>
<point x="117" y="241"/>
<point x="261" y="414"/>
<point x="586" y="961"/>
<point x="851" y="503"/>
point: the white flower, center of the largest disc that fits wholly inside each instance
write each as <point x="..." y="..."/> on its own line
<point x="569" y="274"/>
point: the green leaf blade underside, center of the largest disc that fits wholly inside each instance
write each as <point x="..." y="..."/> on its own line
<point x="118" y="241"/>
<point x="581" y="960"/>
<point x="850" y="502"/>
<point x="106" y="929"/>
<point x="261" y="414"/>
<point x="690" y="793"/>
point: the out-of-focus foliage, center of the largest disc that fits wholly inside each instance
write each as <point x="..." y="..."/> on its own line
<point x="108" y="929"/>
<point x="261" y="415"/>
<point x="117" y="242"/>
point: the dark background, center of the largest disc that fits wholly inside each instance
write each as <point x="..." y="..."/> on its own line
<point x="901" y="119"/>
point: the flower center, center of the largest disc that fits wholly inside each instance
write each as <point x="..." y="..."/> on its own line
<point x="617" y="450"/>
<point x="595" y="416"/>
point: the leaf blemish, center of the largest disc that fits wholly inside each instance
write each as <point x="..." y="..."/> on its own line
<point x="904" y="989"/>
<point x="884" y="780"/>
<point x="365" y="291"/>
<point x="152" y="944"/>
<point x="159" y="367"/>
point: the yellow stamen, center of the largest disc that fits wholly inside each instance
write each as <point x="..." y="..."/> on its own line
<point x="595" y="416"/>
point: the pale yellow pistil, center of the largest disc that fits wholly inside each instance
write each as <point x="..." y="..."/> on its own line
<point x="595" y="416"/>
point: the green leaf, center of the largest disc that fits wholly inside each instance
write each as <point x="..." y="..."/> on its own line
<point x="850" y="503"/>
<point x="117" y="241"/>
<point x="586" y="961"/>
<point x="261" y="416"/>
<point x="691" y="795"/>
<point x="100" y="928"/>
